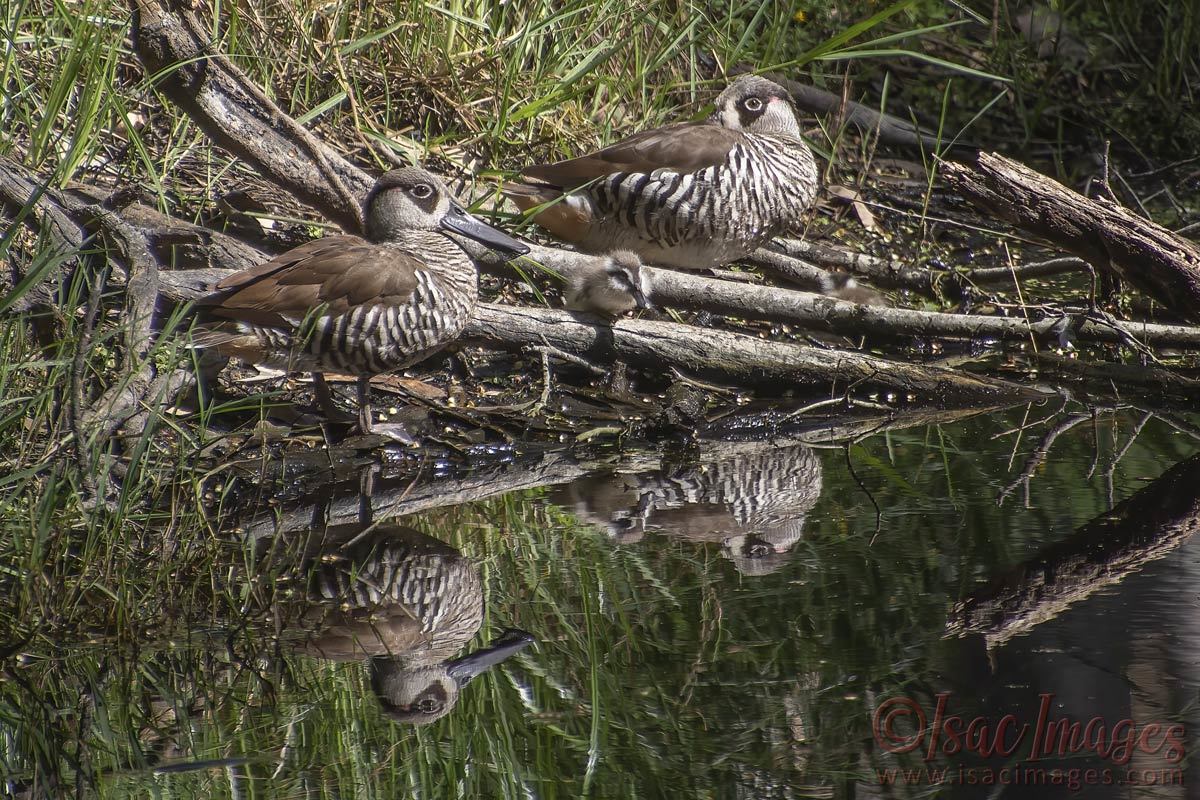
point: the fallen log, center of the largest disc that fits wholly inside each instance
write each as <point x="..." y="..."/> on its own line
<point x="818" y="312"/>
<point x="24" y="198"/>
<point x="732" y="357"/>
<point x="235" y="113"/>
<point x="718" y="355"/>
<point x="1155" y="260"/>
<point x="879" y="272"/>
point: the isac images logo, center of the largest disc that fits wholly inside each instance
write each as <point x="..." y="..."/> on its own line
<point x="1138" y="753"/>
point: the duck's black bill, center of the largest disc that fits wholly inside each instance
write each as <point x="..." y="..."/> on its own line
<point x="511" y="641"/>
<point x="641" y="299"/>
<point x="459" y="221"/>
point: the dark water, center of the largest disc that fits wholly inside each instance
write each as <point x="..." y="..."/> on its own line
<point x="730" y="620"/>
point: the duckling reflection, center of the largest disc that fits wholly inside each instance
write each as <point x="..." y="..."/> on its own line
<point x="754" y="504"/>
<point x="407" y="603"/>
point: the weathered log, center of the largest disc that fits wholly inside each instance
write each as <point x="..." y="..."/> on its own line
<point x="25" y="198"/>
<point x="827" y="314"/>
<point x="1147" y="526"/>
<point x="235" y="113"/>
<point x="1158" y="262"/>
<point x="878" y="271"/>
<point x="1017" y="272"/>
<point x="719" y="355"/>
<point x="175" y="243"/>
<point x="731" y="357"/>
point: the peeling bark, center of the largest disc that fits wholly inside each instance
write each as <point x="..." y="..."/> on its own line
<point x="238" y="116"/>
<point x="1158" y="262"/>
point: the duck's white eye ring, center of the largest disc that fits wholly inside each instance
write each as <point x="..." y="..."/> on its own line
<point x="421" y="190"/>
<point x="752" y="104"/>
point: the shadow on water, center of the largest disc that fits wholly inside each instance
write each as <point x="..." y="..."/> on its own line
<point x="726" y="616"/>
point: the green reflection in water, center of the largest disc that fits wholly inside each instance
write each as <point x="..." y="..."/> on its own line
<point x="662" y="668"/>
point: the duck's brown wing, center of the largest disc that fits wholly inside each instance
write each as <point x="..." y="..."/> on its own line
<point x="337" y="273"/>
<point x="684" y="147"/>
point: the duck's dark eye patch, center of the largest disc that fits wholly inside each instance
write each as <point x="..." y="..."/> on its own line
<point x="431" y="701"/>
<point x="422" y="190"/>
<point x="621" y="278"/>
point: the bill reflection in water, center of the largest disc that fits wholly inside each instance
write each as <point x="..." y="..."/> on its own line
<point x="407" y="603"/>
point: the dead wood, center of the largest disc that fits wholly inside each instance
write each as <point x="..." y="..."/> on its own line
<point x="821" y="313"/>
<point x="818" y="312"/>
<point x="1158" y="262"/>
<point x="176" y="244"/>
<point x="1017" y="272"/>
<point x="792" y="269"/>
<point x="238" y="116"/>
<point x="719" y="355"/>
<point x="24" y="198"/>
<point x="1147" y="526"/>
<point x="731" y="357"/>
<point x="141" y="387"/>
<point x="879" y="272"/>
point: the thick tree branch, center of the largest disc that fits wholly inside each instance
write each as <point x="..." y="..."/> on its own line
<point x="236" y="114"/>
<point x="1160" y="263"/>
<point x="731" y="357"/>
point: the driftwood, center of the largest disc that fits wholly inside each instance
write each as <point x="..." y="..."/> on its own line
<point x="24" y="198"/>
<point x="880" y="272"/>
<point x="732" y="357"/>
<point x="172" y="241"/>
<point x="1163" y="265"/>
<point x="1147" y="526"/>
<point x="818" y="312"/>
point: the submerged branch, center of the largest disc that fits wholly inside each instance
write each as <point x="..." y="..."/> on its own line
<point x="818" y="312"/>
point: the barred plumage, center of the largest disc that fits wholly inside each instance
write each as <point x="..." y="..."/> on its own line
<point x="691" y="196"/>
<point x="430" y="589"/>
<point x="409" y="603"/>
<point x="359" y="305"/>
<point x="753" y="503"/>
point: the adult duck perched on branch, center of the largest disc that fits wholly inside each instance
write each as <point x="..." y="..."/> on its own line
<point x="692" y="195"/>
<point x="365" y="306"/>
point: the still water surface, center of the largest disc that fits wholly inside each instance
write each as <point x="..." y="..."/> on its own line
<point x="740" y="622"/>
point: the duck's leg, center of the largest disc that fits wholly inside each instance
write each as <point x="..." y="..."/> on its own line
<point x="324" y="399"/>
<point x="365" y="422"/>
<point x="364" y="403"/>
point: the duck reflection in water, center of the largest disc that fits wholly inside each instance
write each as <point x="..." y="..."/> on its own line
<point x="753" y="503"/>
<point x="407" y="603"/>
